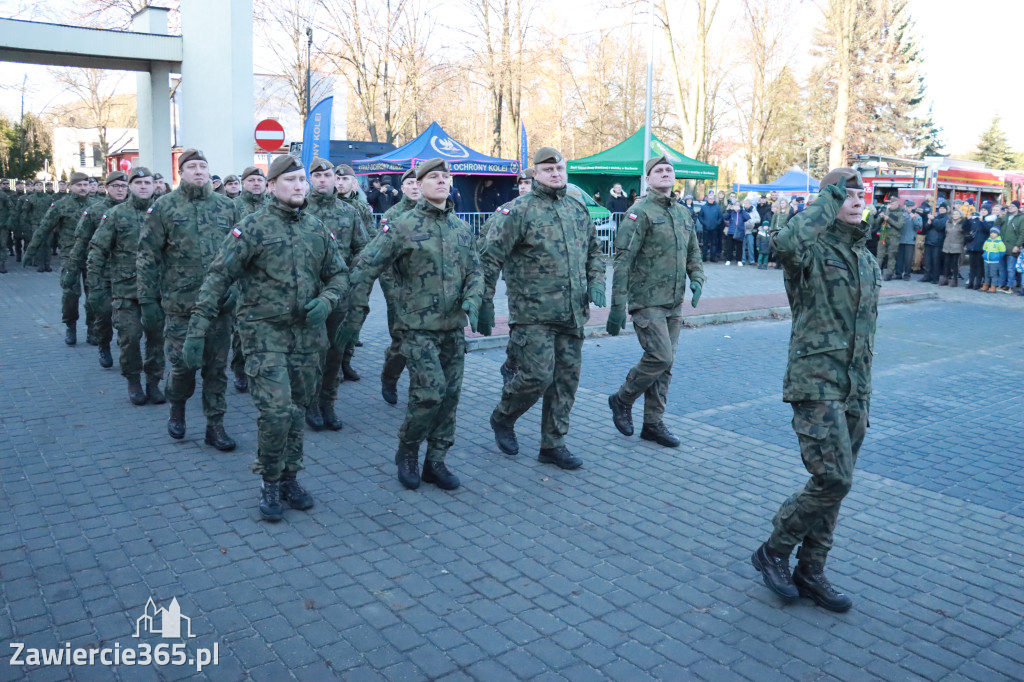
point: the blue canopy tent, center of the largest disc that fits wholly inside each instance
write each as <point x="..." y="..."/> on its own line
<point x="433" y="143"/>
<point x="792" y="182"/>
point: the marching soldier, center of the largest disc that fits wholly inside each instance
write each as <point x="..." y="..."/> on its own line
<point x="181" y="238"/>
<point x="655" y="250"/>
<point x="438" y="284"/>
<point x="112" y="253"/>
<point x="350" y="243"/>
<point x="289" y="277"/>
<point x="251" y="199"/>
<point x="547" y="248"/>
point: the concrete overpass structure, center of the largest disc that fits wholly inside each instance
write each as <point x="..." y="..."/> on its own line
<point x="213" y="56"/>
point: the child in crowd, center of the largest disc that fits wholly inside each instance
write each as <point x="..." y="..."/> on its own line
<point x="994" y="250"/>
<point x="762" y="245"/>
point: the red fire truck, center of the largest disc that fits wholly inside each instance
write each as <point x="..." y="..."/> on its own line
<point x="948" y="178"/>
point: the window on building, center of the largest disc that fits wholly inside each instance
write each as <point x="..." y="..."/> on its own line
<point x="97" y="156"/>
<point x="81" y="154"/>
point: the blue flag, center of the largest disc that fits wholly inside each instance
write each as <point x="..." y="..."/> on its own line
<point x="316" y="137"/>
<point x="524" y="156"/>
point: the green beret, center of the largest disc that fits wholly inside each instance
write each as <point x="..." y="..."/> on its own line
<point x="115" y="176"/>
<point x="252" y="170"/>
<point x="411" y="173"/>
<point x="431" y="165"/>
<point x="319" y="164"/>
<point x="140" y="172"/>
<point x="853" y="178"/>
<point x="526" y="173"/>
<point x="230" y="178"/>
<point x="547" y="155"/>
<point x="284" y="164"/>
<point x="344" y="169"/>
<point x="654" y="162"/>
<point x="190" y="155"/>
<point x="75" y="177"/>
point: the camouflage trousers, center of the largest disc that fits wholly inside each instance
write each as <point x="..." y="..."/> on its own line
<point x="549" y="358"/>
<point x="888" y="251"/>
<point x="657" y="330"/>
<point x="5" y="242"/>
<point x="181" y="384"/>
<point x="436" y="361"/>
<point x="70" y="296"/>
<point x="128" y="320"/>
<point x="102" y="325"/>
<point x="237" y="357"/>
<point x="394" y="361"/>
<point x="282" y="386"/>
<point x="327" y="385"/>
<point x="830" y="434"/>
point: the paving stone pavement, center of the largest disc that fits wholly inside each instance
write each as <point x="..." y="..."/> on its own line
<point x="635" y="567"/>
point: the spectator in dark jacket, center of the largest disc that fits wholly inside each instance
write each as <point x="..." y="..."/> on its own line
<point x="933" y="239"/>
<point x="952" y="248"/>
<point x="711" y="222"/>
<point x="488" y="196"/>
<point x="735" y="230"/>
<point x="764" y="209"/>
<point x="977" y="233"/>
<point x="617" y="201"/>
<point x="381" y="195"/>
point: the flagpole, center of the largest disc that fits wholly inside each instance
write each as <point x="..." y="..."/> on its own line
<point x="647" y="108"/>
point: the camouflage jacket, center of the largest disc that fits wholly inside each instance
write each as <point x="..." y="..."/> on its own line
<point x="342" y="219"/>
<point x="362" y="231"/>
<point x="281" y="258"/>
<point x="547" y="247"/>
<point x="1011" y="231"/>
<point x="115" y="245"/>
<point x="832" y="282"/>
<point x="403" y="206"/>
<point x="61" y="217"/>
<point x="248" y="203"/>
<point x="655" y="249"/>
<point x="86" y="228"/>
<point x="432" y="255"/>
<point x="177" y="245"/>
<point x="892" y="225"/>
<point x="33" y="208"/>
<point x="492" y="220"/>
<point x="8" y="211"/>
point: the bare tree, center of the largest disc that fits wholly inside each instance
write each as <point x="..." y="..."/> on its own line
<point x="691" y="78"/>
<point x="283" y="24"/>
<point x="98" y="105"/>
<point x="118" y="13"/>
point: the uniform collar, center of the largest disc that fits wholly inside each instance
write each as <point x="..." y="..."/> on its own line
<point x="193" y="193"/>
<point x="432" y="210"/>
<point x="140" y="204"/>
<point x="407" y="203"/>
<point x="284" y="210"/>
<point x="250" y="197"/>
<point x="659" y="198"/>
<point x="322" y="200"/>
<point x="548" y="192"/>
<point x="848" y="233"/>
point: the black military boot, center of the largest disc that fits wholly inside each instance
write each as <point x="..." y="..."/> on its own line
<point x="241" y="382"/>
<point x="106" y="361"/>
<point x="314" y="418"/>
<point x="330" y="419"/>
<point x="347" y="371"/>
<point x="153" y="392"/>
<point x="217" y="437"/>
<point x="71" y="335"/>
<point x="622" y="415"/>
<point x="660" y="434"/>
<point x="294" y="494"/>
<point x="774" y="568"/>
<point x="408" y="460"/>
<point x="389" y="392"/>
<point x="505" y="437"/>
<point x="271" y="507"/>
<point x="176" y="424"/>
<point x="809" y="578"/>
<point x="437" y="473"/>
<point x="136" y="394"/>
<point x="560" y="457"/>
<point x="90" y="337"/>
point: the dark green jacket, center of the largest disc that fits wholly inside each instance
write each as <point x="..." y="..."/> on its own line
<point x="181" y="238"/>
<point x="403" y="206"/>
<point x="341" y="219"/>
<point x="1011" y="230"/>
<point x="432" y="255"/>
<point x="62" y="217"/>
<point x="280" y="259"/>
<point x="547" y="248"/>
<point x="86" y="228"/>
<point x="891" y="226"/>
<point x="115" y="246"/>
<point x="832" y="282"/>
<point x="33" y="207"/>
<point x="655" y="249"/>
<point x="248" y="203"/>
<point x="363" y="231"/>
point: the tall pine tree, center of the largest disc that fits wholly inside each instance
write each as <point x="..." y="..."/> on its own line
<point x="993" y="149"/>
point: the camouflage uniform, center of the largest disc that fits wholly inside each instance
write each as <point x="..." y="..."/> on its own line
<point x="280" y="259"/>
<point x="394" y="361"/>
<point x="7" y="215"/>
<point x="112" y="254"/>
<point x="247" y="203"/>
<point x="655" y="249"/>
<point x="19" y="201"/>
<point x="547" y="247"/>
<point x="891" y="229"/>
<point x="179" y="241"/>
<point x="351" y="242"/>
<point x="61" y="220"/>
<point x="34" y="207"/>
<point x="432" y="255"/>
<point x="98" y="320"/>
<point x="832" y="282"/>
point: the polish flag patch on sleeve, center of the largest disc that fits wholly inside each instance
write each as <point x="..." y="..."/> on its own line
<point x="149" y="210"/>
<point x="85" y="213"/>
<point x="505" y="211"/>
<point x="632" y="216"/>
<point x="236" y="233"/>
<point x="384" y="227"/>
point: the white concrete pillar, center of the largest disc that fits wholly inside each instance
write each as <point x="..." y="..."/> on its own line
<point x="216" y="82"/>
<point x="153" y="99"/>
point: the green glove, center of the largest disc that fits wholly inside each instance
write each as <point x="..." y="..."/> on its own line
<point x="597" y="295"/>
<point x="192" y="351"/>
<point x="616" y="320"/>
<point x="346" y="334"/>
<point x="473" y="313"/>
<point x="836" y="191"/>
<point x="317" y="311"/>
<point x="152" y="317"/>
<point x="485" y="318"/>
<point x="695" y="288"/>
<point x="229" y="300"/>
<point x="68" y="278"/>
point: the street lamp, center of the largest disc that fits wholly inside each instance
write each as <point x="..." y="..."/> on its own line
<point x="309" y="49"/>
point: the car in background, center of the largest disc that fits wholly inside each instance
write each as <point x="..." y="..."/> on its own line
<point x="601" y="216"/>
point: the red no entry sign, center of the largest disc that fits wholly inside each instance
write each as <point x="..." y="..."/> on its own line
<point x="269" y="134"/>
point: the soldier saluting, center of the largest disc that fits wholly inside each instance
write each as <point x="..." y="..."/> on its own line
<point x="547" y="247"/>
<point x="655" y="249"/>
<point x="832" y="282"/>
<point x="290" y="277"/>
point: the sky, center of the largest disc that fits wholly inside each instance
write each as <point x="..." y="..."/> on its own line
<point x="969" y="50"/>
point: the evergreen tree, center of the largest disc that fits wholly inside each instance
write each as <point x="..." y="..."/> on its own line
<point x="993" y="149"/>
<point x="928" y="137"/>
<point x="24" y="147"/>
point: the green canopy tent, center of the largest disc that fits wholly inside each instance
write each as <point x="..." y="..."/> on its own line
<point x="624" y="162"/>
